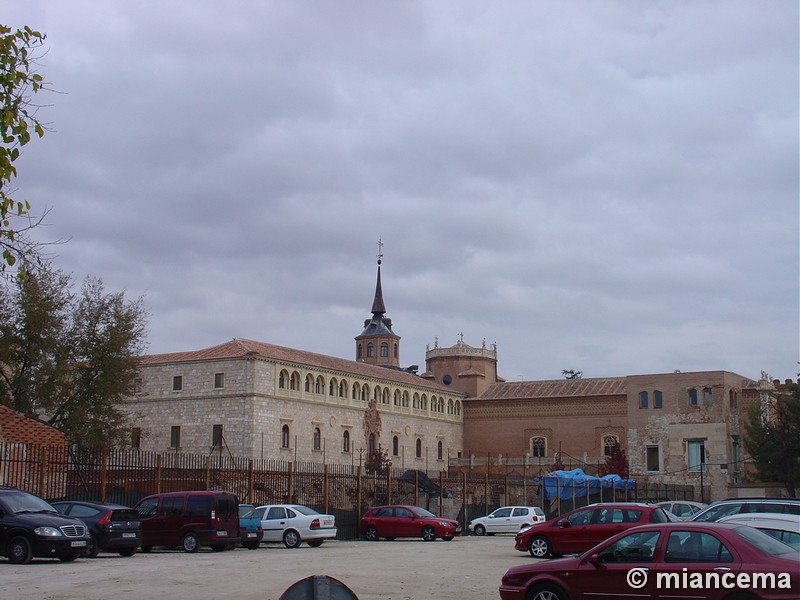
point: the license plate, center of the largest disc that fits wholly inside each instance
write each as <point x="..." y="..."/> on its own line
<point x="222" y="533"/>
<point x="129" y="535"/>
<point x="81" y="544"/>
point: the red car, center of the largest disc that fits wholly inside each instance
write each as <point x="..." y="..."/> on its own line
<point x="393" y="522"/>
<point x="702" y="561"/>
<point x="582" y="528"/>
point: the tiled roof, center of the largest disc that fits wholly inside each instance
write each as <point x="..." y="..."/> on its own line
<point x="555" y="388"/>
<point x="16" y="428"/>
<point x="240" y="348"/>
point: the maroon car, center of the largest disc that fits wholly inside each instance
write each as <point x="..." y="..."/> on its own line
<point x="392" y="522"/>
<point x="582" y="528"/>
<point x="703" y="561"/>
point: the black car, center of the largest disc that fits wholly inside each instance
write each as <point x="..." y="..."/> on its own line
<point x="112" y="527"/>
<point x="30" y="527"/>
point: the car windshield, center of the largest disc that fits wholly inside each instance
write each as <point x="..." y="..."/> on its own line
<point x="762" y="541"/>
<point x="22" y="502"/>
<point x="245" y="512"/>
<point x="304" y="510"/>
<point x="715" y="513"/>
<point x="421" y="512"/>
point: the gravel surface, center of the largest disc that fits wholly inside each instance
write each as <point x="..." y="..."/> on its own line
<point x="465" y="568"/>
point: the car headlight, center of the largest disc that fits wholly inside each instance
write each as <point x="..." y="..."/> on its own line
<point x="47" y="532"/>
<point x="444" y="524"/>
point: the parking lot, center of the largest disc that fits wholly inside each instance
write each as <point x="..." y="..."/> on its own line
<point x="468" y="567"/>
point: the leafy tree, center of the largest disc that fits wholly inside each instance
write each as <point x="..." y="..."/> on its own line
<point x="775" y="444"/>
<point x="571" y="374"/>
<point x="378" y="462"/>
<point x="69" y="359"/>
<point x="616" y="462"/>
<point x="18" y="81"/>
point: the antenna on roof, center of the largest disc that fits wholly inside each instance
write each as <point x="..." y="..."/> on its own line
<point x="380" y="250"/>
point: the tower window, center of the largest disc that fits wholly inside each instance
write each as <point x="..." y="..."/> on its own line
<point x="384" y="349"/>
<point x="370" y="350"/>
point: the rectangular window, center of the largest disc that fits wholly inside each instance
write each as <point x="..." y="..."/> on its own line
<point x="653" y="458"/>
<point x="136" y="438"/>
<point x="643" y="401"/>
<point x="216" y="436"/>
<point x="175" y="437"/>
<point x="696" y="455"/>
<point x="177" y="383"/>
<point x="658" y="399"/>
<point x="137" y="385"/>
<point x="692" y="397"/>
<point x="219" y="380"/>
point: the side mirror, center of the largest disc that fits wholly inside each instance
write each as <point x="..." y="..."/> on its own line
<point x="595" y="560"/>
<point x="564" y="524"/>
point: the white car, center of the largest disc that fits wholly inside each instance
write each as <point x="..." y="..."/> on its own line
<point x="508" y="519"/>
<point x="683" y="509"/>
<point x="294" y="524"/>
<point x="784" y="528"/>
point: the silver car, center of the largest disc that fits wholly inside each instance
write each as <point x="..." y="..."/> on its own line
<point x="508" y="519"/>
<point x="294" y="524"/>
<point x="784" y="528"/>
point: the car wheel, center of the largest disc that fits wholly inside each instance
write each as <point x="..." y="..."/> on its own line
<point x="371" y="534"/>
<point x="91" y="548"/>
<point x="191" y="543"/>
<point x="20" y="551"/>
<point x="539" y="547"/>
<point x="480" y="530"/>
<point x="546" y="592"/>
<point x="128" y="551"/>
<point x="291" y="539"/>
<point x="428" y="534"/>
<point x="315" y="543"/>
<point x="67" y="557"/>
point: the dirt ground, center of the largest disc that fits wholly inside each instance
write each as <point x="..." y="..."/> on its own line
<point x="468" y="567"/>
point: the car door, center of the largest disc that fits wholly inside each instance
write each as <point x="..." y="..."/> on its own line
<point x="273" y="523"/>
<point x="500" y="521"/>
<point x="572" y="534"/>
<point x="519" y="516"/>
<point x="404" y="523"/>
<point x="150" y="522"/>
<point x="693" y="554"/>
<point x="609" y="522"/>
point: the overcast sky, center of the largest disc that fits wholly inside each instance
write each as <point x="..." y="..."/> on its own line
<point x="610" y="187"/>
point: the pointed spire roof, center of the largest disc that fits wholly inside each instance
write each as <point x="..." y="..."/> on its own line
<point x="378" y="307"/>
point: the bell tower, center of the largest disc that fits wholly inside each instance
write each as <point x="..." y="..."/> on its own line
<point x="378" y="344"/>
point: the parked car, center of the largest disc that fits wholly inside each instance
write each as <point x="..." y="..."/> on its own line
<point x="250" y="526"/>
<point x="736" y="506"/>
<point x="392" y="522"/>
<point x="190" y="520"/>
<point x="666" y="552"/>
<point x="508" y="519"/>
<point x="30" y="527"/>
<point x="112" y="527"/>
<point x="582" y="528"/>
<point x="294" y="524"/>
<point x="683" y="509"/>
<point x="784" y="528"/>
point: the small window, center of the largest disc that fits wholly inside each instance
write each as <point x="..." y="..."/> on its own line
<point x="317" y="439"/>
<point x="707" y="396"/>
<point x="419" y="448"/>
<point x="384" y="349"/>
<point x="216" y="436"/>
<point x="219" y="380"/>
<point x="177" y="383"/>
<point x="285" y="436"/>
<point x="137" y="385"/>
<point x="696" y="456"/>
<point x="692" y="397"/>
<point x="609" y="443"/>
<point x="658" y="399"/>
<point x="175" y="437"/>
<point x="538" y="445"/>
<point x="346" y="441"/>
<point x="643" y="400"/>
<point x="370" y="350"/>
<point x="440" y="451"/>
<point x="395" y="446"/>
<point x="653" y="458"/>
<point x="136" y="438"/>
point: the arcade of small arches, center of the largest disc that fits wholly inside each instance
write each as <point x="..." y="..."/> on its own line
<point x="341" y="388"/>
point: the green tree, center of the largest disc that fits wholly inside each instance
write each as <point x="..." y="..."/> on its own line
<point x="775" y="444"/>
<point x="18" y="82"/>
<point x="69" y="359"/>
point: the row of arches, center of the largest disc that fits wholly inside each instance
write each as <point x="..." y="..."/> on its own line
<point x="538" y="445"/>
<point x="341" y="388"/>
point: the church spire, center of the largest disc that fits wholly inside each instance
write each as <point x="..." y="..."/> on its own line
<point x="378" y="307"/>
<point x="378" y="344"/>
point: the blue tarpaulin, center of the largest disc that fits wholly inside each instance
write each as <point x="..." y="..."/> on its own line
<point x="566" y="484"/>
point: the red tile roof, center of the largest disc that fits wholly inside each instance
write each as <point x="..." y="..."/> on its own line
<point x="241" y="348"/>
<point x="555" y="388"/>
<point x="16" y="428"/>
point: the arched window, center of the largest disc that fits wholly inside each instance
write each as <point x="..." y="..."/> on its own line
<point x="405" y="399"/>
<point x="358" y="351"/>
<point x="538" y="447"/>
<point x="395" y="350"/>
<point x="707" y="396"/>
<point x="285" y="436"/>
<point x="309" y="382"/>
<point x="643" y="400"/>
<point x="419" y="448"/>
<point x="346" y="441"/>
<point x="384" y="349"/>
<point x="440" y="450"/>
<point x="692" y="397"/>
<point x="365" y="393"/>
<point x="294" y="384"/>
<point x="317" y="439"/>
<point x="658" y="399"/>
<point x="332" y="387"/>
<point x="370" y="350"/>
<point x="395" y="446"/>
<point x="342" y="389"/>
<point x="458" y="408"/>
<point x="450" y="409"/>
<point x="609" y="443"/>
<point x="282" y="378"/>
<point x="356" y="391"/>
<point x="385" y="395"/>
<point x="423" y="403"/>
<point x="319" y="385"/>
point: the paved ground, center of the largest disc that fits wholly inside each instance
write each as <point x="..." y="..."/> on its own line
<point x="465" y="568"/>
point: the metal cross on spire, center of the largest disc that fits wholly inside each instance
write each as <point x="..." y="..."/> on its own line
<point x="380" y="250"/>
